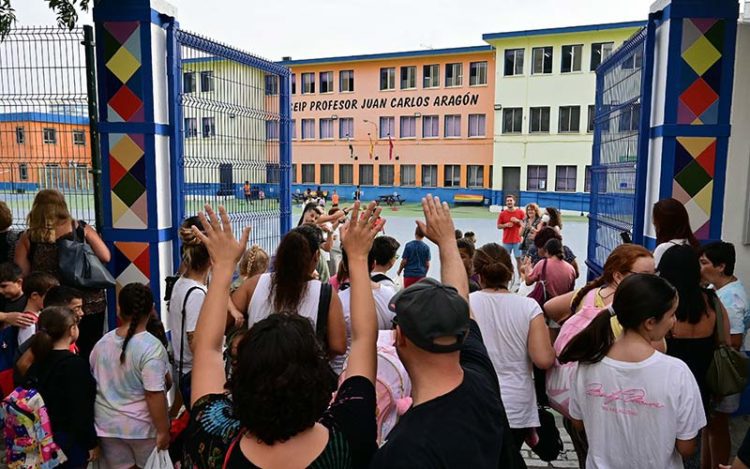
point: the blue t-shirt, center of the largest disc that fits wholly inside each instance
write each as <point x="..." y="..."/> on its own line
<point x="417" y="254"/>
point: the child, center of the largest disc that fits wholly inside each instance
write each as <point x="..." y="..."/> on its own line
<point x="12" y="299"/>
<point x="254" y="262"/>
<point x="35" y="286"/>
<point x="624" y="391"/>
<point x="130" y="367"/>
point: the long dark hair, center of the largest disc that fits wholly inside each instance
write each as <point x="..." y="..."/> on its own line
<point x="492" y="263"/>
<point x="281" y="383"/>
<point x="672" y="221"/>
<point x="54" y="322"/>
<point x="680" y="266"/>
<point x="554" y="248"/>
<point x="638" y="298"/>
<point x="292" y="266"/>
<point x="554" y="217"/>
<point x="308" y="207"/>
<point x="136" y="303"/>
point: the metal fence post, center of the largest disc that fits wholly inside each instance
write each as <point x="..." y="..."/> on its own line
<point x="93" y="110"/>
<point x="285" y="163"/>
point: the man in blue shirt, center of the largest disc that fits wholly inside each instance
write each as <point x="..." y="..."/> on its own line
<point x="415" y="261"/>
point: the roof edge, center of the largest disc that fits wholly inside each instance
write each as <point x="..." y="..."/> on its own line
<point x="565" y="30"/>
<point x="389" y="55"/>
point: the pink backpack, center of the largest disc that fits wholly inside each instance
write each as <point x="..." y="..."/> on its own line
<point x="560" y="377"/>
<point x="392" y="386"/>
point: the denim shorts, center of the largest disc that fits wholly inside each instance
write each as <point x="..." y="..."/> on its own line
<point x="513" y="248"/>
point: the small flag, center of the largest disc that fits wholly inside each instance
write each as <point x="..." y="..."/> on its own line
<point x="372" y="147"/>
<point x="351" y="148"/>
<point x="390" y="147"/>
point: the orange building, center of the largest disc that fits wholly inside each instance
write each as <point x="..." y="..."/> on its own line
<point x="40" y="151"/>
<point x="396" y="122"/>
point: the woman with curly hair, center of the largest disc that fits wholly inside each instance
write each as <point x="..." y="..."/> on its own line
<point x="130" y="367"/>
<point x="279" y="414"/>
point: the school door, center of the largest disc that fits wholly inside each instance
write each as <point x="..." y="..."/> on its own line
<point x="511" y="181"/>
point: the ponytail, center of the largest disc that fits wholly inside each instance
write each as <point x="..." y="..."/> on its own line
<point x="492" y="263"/>
<point x="554" y="248"/>
<point x="53" y="324"/>
<point x="596" y="283"/>
<point x="591" y="344"/>
<point x="136" y="303"/>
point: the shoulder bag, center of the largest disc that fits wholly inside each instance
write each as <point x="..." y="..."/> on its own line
<point x="539" y="293"/>
<point x="728" y="372"/>
<point x="79" y="266"/>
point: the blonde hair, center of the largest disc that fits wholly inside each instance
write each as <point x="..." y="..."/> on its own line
<point x="194" y="254"/>
<point x="534" y="207"/>
<point x="47" y="212"/>
<point x="254" y="261"/>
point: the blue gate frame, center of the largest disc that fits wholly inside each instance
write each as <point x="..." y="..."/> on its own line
<point x="620" y="151"/>
<point x="251" y="98"/>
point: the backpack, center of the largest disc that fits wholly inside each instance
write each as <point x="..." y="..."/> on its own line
<point x="560" y="377"/>
<point x="28" y="431"/>
<point x="8" y="348"/>
<point x="392" y="387"/>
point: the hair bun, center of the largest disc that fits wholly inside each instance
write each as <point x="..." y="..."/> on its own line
<point x="188" y="238"/>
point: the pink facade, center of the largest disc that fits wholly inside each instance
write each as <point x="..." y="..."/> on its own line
<point x="436" y="112"/>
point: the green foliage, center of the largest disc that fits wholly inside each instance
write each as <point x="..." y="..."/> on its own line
<point x="66" y="10"/>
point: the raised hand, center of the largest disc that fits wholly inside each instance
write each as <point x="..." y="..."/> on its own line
<point x="438" y="225"/>
<point x="358" y="233"/>
<point x="218" y="238"/>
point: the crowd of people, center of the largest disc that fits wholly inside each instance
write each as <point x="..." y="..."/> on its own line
<point x="316" y="355"/>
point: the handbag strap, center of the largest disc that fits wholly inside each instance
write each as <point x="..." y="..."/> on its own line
<point x="183" y="334"/>
<point x="719" y="325"/>
<point x="324" y="304"/>
<point x="543" y="276"/>
<point x="234" y="443"/>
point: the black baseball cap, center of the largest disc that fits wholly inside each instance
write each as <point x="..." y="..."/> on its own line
<point x="428" y="310"/>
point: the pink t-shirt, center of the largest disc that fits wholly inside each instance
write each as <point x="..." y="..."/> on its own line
<point x="560" y="276"/>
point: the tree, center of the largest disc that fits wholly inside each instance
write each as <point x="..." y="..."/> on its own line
<point x="66" y="10"/>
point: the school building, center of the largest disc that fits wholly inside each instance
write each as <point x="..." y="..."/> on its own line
<point x="394" y="122"/>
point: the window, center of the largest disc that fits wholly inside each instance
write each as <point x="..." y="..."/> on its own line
<point x="430" y="126"/>
<point x="52" y="177"/>
<point x="489" y="184"/>
<point x="385" y="175"/>
<point x="408" y="175"/>
<point x="387" y="125"/>
<point x="592" y="110"/>
<point x="365" y="174"/>
<point x="431" y="77"/>
<point x="539" y="119"/>
<point x="408" y="127"/>
<point x="570" y="118"/>
<point x="629" y="118"/>
<point x="536" y="178"/>
<point x="49" y="135"/>
<point x="571" y="58"/>
<point x="475" y="175"/>
<point x="565" y="179"/>
<point x="513" y="62"/>
<point x="79" y="137"/>
<point x="191" y="127"/>
<point x="207" y="80"/>
<point x="308" y="174"/>
<point x="272" y="85"/>
<point x="326" y="82"/>
<point x="452" y="126"/>
<point x="512" y="120"/>
<point x="23" y="171"/>
<point x="20" y="135"/>
<point x="476" y="125"/>
<point x="209" y="127"/>
<point x="81" y="176"/>
<point x="326" y="128"/>
<point x="346" y="81"/>
<point x="273" y="173"/>
<point x="294" y="83"/>
<point x="272" y="130"/>
<point x="188" y="82"/>
<point x="346" y="127"/>
<point x="477" y="73"/>
<point x="387" y="78"/>
<point x="599" y="53"/>
<point x="587" y="179"/>
<point x="308" y="83"/>
<point x="326" y="174"/>
<point x="633" y="61"/>
<point x="408" y="77"/>
<point x="293" y="130"/>
<point x="308" y="129"/>
<point x="541" y="60"/>
<point x="429" y="175"/>
<point x="454" y="74"/>
<point x="452" y="175"/>
<point x="346" y="174"/>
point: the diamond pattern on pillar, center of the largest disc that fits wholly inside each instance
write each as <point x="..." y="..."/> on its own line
<point x="131" y="263"/>
<point x="695" y="159"/>
<point x="128" y="181"/>
<point x="700" y="77"/>
<point x="122" y="59"/>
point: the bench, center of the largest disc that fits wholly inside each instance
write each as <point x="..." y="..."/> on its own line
<point x="468" y="199"/>
<point x="391" y="200"/>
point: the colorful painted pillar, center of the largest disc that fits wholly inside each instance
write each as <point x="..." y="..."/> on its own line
<point x="691" y="103"/>
<point x="131" y="42"/>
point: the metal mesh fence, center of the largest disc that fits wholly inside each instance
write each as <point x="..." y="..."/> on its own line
<point x="616" y="152"/>
<point x="230" y="130"/>
<point x="45" y="140"/>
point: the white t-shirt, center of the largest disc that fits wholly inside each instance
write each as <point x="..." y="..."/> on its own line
<point x="120" y="409"/>
<point x="734" y="298"/>
<point x="504" y="319"/>
<point x="382" y="295"/>
<point x="174" y="320"/>
<point x="26" y="333"/>
<point x="634" y="412"/>
<point x="663" y="247"/>
<point x="261" y="304"/>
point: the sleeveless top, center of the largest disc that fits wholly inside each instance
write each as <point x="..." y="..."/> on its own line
<point x="43" y="258"/>
<point x="261" y="304"/>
